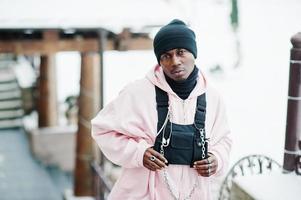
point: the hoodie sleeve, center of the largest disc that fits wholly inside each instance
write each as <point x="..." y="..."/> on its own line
<point x="119" y="133"/>
<point x="221" y="141"/>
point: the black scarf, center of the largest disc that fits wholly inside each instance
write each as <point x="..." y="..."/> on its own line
<point x="184" y="87"/>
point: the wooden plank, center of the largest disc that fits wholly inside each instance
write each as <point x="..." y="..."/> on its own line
<point x="44" y="47"/>
<point x="52" y="35"/>
<point x="29" y="47"/>
<point x="140" y="44"/>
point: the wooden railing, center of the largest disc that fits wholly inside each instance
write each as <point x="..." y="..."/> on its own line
<point x="102" y="185"/>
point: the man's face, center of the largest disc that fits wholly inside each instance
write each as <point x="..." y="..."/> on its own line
<point x="177" y="63"/>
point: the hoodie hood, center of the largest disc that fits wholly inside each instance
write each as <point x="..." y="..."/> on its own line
<point x="156" y="76"/>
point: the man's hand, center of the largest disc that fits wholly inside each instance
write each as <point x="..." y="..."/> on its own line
<point x="153" y="160"/>
<point x="206" y="167"/>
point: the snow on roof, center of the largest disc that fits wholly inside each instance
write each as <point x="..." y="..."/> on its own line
<point x="112" y="15"/>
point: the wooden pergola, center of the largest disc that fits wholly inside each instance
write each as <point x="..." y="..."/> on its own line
<point x="91" y="43"/>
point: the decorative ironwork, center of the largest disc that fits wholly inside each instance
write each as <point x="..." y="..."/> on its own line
<point x="249" y="165"/>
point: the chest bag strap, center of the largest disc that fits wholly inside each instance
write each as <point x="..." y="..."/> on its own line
<point x="162" y="106"/>
<point x="162" y="109"/>
<point x="199" y="143"/>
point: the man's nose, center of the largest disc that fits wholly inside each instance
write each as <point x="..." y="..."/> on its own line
<point x="175" y="60"/>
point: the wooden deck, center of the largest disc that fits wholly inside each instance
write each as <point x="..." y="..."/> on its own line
<point x="21" y="176"/>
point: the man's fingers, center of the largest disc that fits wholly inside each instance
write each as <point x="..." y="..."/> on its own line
<point x="156" y="160"/>
<point x="205" y="166"/>
<point x="159" y="163"/>
<point x="204" y="161"/>
<point x="151" y="166"/>
<point x="158" y="155"/>
<point x="156" y="166"/>
<point x="206" y="172"/>
<point x="202" y="167"/>
<point x="153" y="160"/>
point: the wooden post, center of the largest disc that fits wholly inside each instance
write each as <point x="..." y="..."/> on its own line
<point x="293" y="125"/>
<point x="99" y="188"/>
<point x="102" y="34"/>
<point x="123" y="39"/>
<point x="47" y="99"/>
<point x="88" y="106"/>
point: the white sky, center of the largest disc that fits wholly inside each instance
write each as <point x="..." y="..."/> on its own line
<point x="109" y="14"/>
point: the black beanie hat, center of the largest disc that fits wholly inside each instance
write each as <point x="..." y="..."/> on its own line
<point x="176" y="34"/>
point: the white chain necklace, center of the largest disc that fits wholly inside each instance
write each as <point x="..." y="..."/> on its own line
<point x="172" y="191"/>
<point x="165" y="175"/>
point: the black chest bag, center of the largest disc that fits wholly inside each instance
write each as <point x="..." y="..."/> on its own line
<point x="181" y="144"/>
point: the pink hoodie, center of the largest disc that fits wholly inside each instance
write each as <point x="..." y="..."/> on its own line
<point x="127" y="126"/>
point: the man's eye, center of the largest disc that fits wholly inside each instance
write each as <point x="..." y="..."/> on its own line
<point x="164" y="57"/>
<point x="181" y="52"/>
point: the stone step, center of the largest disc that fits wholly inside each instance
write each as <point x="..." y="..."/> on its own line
<point x="11" y="104"/>
<point x="11" y="111"/>
<point x="11" y="123"/>
<point x="7" y="76"/>
<point x="11" y="114"/>
<point x="9" y="86"/>
<point x="4" y="66"/>
<point x="15" y="94"/>
<point x="7" y="63"/>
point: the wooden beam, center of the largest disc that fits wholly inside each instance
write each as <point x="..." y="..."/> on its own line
<point x="52" y="35"/>
<point x="140" y="44"/>
<point x="125" y="41"/>
<point x="29" y="47"/>
<point x="44" y="47"/>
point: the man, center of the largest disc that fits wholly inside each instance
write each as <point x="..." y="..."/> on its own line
<point x="167" y="131"/>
